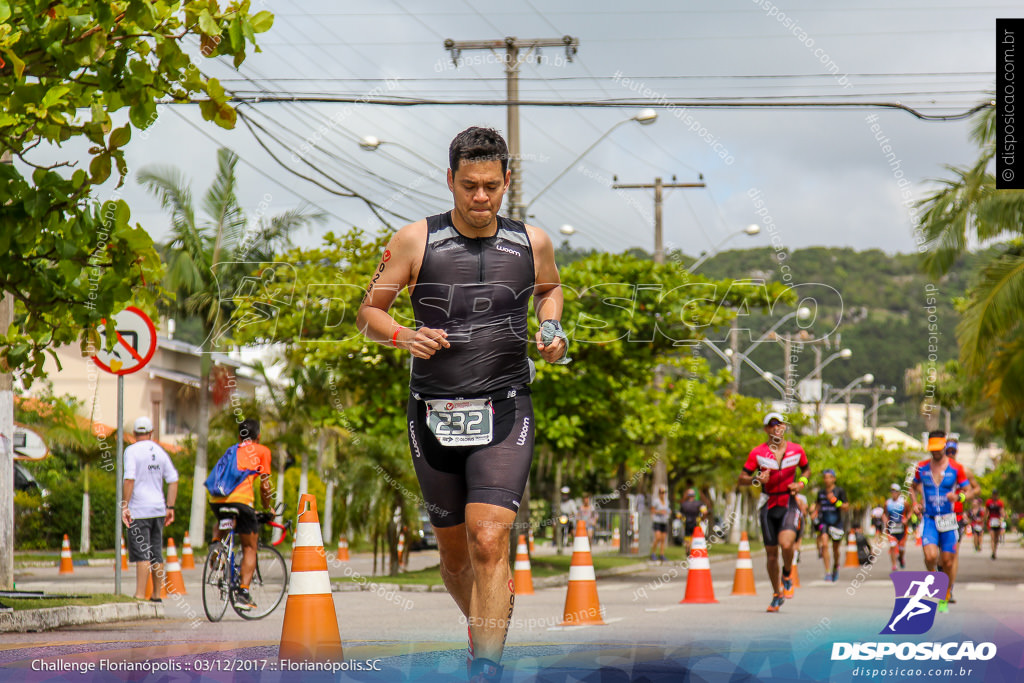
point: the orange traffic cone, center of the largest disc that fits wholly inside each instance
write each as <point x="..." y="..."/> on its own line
<point x="172" y="571"/>
<point x="616" y="539"/>
<point x="401" y="547"/>
<point x="188" y="561"/>
<point x="530" y="537"/>
<point x="343" y="549"/>
<point x="851" y="551"/>
<point x="310" y="630"/>
<point x="124" y="556"/>
<point x="66" y="565"/>
<point x="743" y="581"/>
<point x="969" y="532"/>
<point x="917" y="538"/>
<point x="522" y="576"/>
<point x="795" y="574"/>
<point x="698" y="573"/>
<point x="581" y="603"/>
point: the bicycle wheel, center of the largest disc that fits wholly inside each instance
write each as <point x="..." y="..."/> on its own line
<point x="269" y="583"/>
<point x="216" y="583"/>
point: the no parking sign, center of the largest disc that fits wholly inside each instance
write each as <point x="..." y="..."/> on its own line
<point x="135" y="342"/>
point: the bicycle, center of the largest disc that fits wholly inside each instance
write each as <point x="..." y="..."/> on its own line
<point x="222" y="571"/>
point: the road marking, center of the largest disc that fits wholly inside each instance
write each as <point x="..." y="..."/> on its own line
<point x="981" y="586"/>
<point x="615" y="586"/>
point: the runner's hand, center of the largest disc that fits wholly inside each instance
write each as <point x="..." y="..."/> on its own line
<point x="952" y="496"/>
<point x="425" y="341"/>
<point x="553" y="351"/>
<point x="126" y="516"/>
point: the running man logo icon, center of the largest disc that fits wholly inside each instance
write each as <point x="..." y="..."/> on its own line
<point x="917" y="594"/>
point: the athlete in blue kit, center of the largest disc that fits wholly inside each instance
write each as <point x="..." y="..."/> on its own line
<point x="939" y="482"/>
<point x="471" y="274"/>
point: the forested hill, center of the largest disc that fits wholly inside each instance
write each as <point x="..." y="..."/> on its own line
<point x="883" y="316"/>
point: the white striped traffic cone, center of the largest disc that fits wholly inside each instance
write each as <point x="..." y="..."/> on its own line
<point x="743" y="581"/>
<point x="522" y="576"/>
<point x="582" y="605"/>
<point x="698" y="574"/>
<point x="66" y="564"/>
<point x="124" y="556"/>
<point x="310" y="631"/>
<point x="187" y="558"/>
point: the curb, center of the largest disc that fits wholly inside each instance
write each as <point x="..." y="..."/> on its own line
<point x="45" y="564"/>
<point x="47" y="618"/>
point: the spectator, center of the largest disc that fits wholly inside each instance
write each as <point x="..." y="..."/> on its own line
<point x="145" y="510"/>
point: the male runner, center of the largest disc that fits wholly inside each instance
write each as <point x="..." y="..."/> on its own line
<point x="939" y="481"/>
<point x="693" y="512"/>
<point x="994" y="519"/>
<point x="830" y="502"/>
<point x="471" y="273"/>
<point x="774" y="466"/>
<point x="952" y="448"/>
<point x="976" y="518"/>
<point x="896" y="526"/>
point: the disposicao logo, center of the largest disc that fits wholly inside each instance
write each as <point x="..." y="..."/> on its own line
<point x="917" y="594"/>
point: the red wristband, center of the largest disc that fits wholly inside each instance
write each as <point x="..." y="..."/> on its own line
<point x="394" y="337"/>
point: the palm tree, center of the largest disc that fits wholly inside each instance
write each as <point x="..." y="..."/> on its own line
<point x="965" y="208"/>
<point x="207" y="258"/>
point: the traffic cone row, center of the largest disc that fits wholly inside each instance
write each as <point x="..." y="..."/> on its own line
<point x="188" y="560"/>
<point x="743" y="581"/>
<point x="310" y="631"/>
<point x="851" y="551"/>
<point x="522" y="575"/>
<point x="343" y="549"/>
<point x="173" y="579"/>
<point x="66" y="564"/>
<point x="698" y="575"/>
<point x="582" y="606"/>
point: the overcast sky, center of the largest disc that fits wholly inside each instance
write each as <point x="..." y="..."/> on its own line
<point x="823" y="177"/>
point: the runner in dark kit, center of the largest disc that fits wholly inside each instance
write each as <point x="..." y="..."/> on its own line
<point x="774" y="466"/>
<point x="471" y="274"/>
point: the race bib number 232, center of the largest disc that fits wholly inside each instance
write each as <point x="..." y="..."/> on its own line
<point x="461" y="422"/>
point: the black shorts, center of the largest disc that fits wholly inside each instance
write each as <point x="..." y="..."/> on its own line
<point x="778" y="519"/>
<point x="146" y="539"/>
<point x="661" y="526"/>
<point x="688" y="529"/>
<point x="247" y="522"/>
<point x="453" y="476"/>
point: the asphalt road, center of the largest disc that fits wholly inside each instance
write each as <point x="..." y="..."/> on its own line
<point x="648" y="635"/>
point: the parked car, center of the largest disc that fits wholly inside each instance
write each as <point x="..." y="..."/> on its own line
<point x="423" y="538"/>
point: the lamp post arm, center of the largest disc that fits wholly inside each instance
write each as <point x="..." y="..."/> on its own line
<point x="570" y="166"/>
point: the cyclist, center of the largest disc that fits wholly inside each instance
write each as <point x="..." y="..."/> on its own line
<point x="775" y="463"/>
<point x="253" y="457"/>
<point x="896" y="525"/>
<point x="976" y="518"/>
<point x="994" y="518"/>
<point x="830" y="502"/>
<point x="938" y="481"/>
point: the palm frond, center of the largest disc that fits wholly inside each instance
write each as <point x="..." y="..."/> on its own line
<point x="994" y="308"/>
<point x="221" y="205"/>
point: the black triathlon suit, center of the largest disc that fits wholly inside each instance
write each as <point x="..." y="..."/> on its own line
<point x="478" y="291"/>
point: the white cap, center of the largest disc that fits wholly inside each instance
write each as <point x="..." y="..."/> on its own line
<point x="895" y="487"/>
<point x="773" y="416"/>
<point x="565" y="489"/>
<point x="143" y="425"/>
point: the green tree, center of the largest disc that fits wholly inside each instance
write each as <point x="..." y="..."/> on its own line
<point x="67" y="261"/>
<point x="209" y="260"/>
<point x="991" y="334"/>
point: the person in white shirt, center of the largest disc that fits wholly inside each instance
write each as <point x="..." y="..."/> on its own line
<point x="145" y="511"/>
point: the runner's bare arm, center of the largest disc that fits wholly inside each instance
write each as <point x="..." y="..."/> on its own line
<point x="394" y="273"/>
<point x="547" y="292"/>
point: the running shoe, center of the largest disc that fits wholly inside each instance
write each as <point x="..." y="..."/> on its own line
<point x="777" y="601"/>
<point x="654" y="558"/>
<point x="787" y="588"/>
<point x="903" y="564"/>
<point x="243" y="600"/>
<point x="835" y="575"/>
<point x="485" y="671"/>
<point x="661" y="558"/>
<point x="828" y="578"/>
<point x="943" y="606"/>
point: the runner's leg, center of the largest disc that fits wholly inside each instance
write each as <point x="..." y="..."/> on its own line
<point x="492" y="597"/>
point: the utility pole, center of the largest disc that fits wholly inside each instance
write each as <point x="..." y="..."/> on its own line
<point x="657" y="186"/>
<point x="6" y="446"/>
<point x="660" y="470"/>
<point x="512" y="46"/>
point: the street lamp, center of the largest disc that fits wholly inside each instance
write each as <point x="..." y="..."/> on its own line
<point x="845" y="391"/>
<point x="371" y="143"/>
<point x="644" y="117"/>
<point x="771" y="378"/>
<point x="751" y="230"/>
<point x="873" y="413"/>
